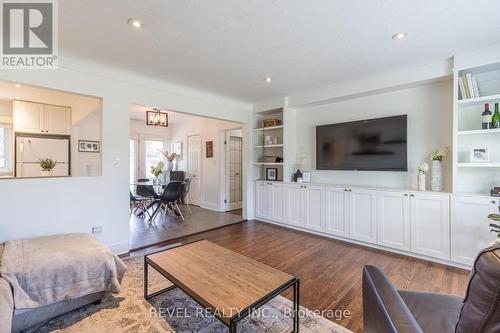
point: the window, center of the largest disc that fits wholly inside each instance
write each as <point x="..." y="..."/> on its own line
<point x="153" y="150"/>
<point x="5" y="149"/>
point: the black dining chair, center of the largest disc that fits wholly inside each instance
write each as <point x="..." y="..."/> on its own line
<point x="138" y="203"/>
<point x="185" y="193"/>
<point x="168" y="200"/>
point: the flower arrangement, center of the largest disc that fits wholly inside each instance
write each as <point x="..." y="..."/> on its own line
<point x="157" y="169"/>
<point x="439" y="154"/>
<point x="495" y="227"/>
<point x="423" y="168"/>
<point x="47" y="164"/>
<point x="170" y="157"/>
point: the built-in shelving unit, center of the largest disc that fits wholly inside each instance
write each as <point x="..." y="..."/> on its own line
<point x="469" y="176"/>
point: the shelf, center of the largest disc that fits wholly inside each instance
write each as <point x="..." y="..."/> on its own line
<point x="479" y="100"/>
<point x="479" y="165"/>
<point x="268" y="128"/>
<point x="270" y="146"/>
<point x="480" y="132"/>
<point x="268" y="163"/>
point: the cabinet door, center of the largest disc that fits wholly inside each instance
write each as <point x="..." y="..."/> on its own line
<point x="336" y="208"/>
<point x="294" y="204"/>
<point x="363" y="215"/>
<point x="313" y="203"/>
<point x="28" y="117"/>
<point x="470" y="231"/>
<point x="261" y="200"/>
<point x="394" y="220"/>
<point x="430" y="224"/>
<point x="277" y="202"/>
<point x="57" y="120"/>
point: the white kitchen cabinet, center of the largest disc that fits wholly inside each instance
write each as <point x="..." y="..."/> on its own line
<point x="470" y="231"/>
<point x="363" y="215"/>
<point x="261" y="200"/>
<point x="312" y="199"/>
<point x="336" y="211"/>
<point x="294" y="205"/>
<point x="36" y="118"/>
<point x="276" y="193"/>
<point x="393" y="221"/>
<point x="430" y="224"/>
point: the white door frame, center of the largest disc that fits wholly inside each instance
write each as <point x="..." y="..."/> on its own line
<point x="135" y="137"/>
<point x="200" y="176"/>
<point x="224" y="203"/>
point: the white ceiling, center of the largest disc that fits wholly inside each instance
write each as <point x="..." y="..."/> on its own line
<point x="228" y="47"/>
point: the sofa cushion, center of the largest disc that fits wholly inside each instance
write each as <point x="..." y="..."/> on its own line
<point x="481" y="308"/>
<point x="6" y="306"/>
<point x="433" y="312"/>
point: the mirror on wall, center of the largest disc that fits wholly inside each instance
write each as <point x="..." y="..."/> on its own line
<point x="48" y="133"/>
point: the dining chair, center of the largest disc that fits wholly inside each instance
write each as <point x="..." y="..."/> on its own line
<point x="168" y="200"/>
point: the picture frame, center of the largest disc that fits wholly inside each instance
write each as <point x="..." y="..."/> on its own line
<point x="271" y="173"/>
<point x="89" y="146"/>
<point x="209" y="150"/>
<point x="177" y="149"/>
<point x="151" y="117"/>
<point x="306" y="176"/>
<point x="479" y="155"/>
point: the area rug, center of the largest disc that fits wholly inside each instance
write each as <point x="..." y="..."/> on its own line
<point x="173" y="311"/>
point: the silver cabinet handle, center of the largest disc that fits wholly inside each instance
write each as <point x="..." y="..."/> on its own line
<point x="412" y="195"/>
<point x="406" y="194"/>
<point x="493" y="201"/>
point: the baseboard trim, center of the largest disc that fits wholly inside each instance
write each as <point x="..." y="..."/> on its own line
<point x="209" y="205"/>
<point x="374" y="246"/>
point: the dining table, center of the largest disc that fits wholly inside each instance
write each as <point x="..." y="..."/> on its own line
<point x="158" y="186"/>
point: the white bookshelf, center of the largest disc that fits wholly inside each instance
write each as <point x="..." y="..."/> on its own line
<point x="468" y="176"/>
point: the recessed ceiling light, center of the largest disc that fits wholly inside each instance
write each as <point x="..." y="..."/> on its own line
<point x="268" y="79"/>
<point x="399" y="35"/>
<point x="17" y="98"/>
<point x="17" y="85"/>
<point x="135" y="22"/>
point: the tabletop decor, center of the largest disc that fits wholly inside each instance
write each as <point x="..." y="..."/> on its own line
<point x="170" y="159"/>
<point x="437" y="169"/>
<point x="47" y="165"/>
<point x="495" y="227"/>
<point x="157" y="170"/>
<point x="422" y="172"/>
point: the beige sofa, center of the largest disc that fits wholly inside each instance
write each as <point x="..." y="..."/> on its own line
<point x="15" y="318"/>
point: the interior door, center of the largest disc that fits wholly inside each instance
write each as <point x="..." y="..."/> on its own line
<point x="234" y="156"/>
<point x="194" y="168"/>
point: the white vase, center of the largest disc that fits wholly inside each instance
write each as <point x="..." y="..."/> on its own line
<point x="169" y="165"/>
<point x="46" y="173"/>
<point x="436" y="176"/>
<point x="421" y="181"/>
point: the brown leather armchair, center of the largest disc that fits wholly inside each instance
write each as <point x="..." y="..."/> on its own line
<point x="387" y="310"/>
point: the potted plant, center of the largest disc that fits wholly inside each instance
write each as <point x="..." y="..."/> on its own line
<point x="495" y="227"/>
<point x="47" y="165"/>
<point x="422" y="171"/>
<point x="157" y="170"/>
<point x="437" y="169"/>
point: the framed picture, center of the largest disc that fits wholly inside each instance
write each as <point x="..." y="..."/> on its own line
<point x="306" y="176"/>
<point x="479" y="155"/>
<point x="86" y="146"/>
<point x="155" y="118"/>
<point x="271" y="173"/>
<point x="209" y="149"/>
<point x="177" y="149"/>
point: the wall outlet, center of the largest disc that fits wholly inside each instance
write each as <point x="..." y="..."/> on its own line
<point x="97" y="229"/>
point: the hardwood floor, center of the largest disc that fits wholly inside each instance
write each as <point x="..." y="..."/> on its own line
<point x="143" y="233"/>
<point x="330" y="270"/>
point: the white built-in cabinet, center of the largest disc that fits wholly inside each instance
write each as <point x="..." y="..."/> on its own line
<point x="470" y="231"/>
<point x="422" y="223"/>
<point x="36" y="118"/>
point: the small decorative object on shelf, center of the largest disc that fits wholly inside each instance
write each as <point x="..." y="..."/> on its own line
<point x="271" y="173"/>
<point x="495" y="192"/>
<point x="47" y="165"/>
<point x="271" y="122"/>
<point x="306" y="177"/>
<point x="479" y="155"/>
<point x="468" y="86"/>
<point x="495" y="227"/>
<point x="272" y="159"/>
<point x="495" y="120"/>
<point x="297" y="175"/>
<point x="422" y="171"/>
<point x="487" y="117"/>
<point x="267" y="140"/>
<point x="157" y="170"/>
<point x="436" y="168"/>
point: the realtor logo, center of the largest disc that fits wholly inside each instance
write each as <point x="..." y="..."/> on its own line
<point x="29" y="34"/>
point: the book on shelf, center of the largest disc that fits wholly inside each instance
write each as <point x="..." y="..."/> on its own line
<point x="468" y="86"/>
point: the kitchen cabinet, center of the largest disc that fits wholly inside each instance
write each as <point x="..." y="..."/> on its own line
<point x="430" y="224"/>
<point x="470" y="230"/>
<point x="393" y="221"/>
<point x="37" y="118"/>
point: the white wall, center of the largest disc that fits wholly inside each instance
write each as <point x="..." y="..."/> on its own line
<point x="212" y="177"/>
<point x="75" y="204"/>
<point x="429" y="110"/>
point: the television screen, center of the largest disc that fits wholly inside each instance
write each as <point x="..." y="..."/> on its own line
<point x="372" y="144"/>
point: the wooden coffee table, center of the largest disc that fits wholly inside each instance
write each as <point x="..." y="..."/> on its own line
<point x="227" y="284"/>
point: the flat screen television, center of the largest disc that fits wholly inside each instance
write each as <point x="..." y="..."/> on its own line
<point x="373" y="144"/>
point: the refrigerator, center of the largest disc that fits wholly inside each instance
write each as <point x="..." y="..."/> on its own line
<point x="29" y="149"/>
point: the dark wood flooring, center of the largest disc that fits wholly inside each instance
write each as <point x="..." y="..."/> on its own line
<point x="330" y="270"/>
<point x="143" y="233"/>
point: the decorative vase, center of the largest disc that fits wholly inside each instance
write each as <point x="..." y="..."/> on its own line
<point x="46" y="173"/>
<point x="436" y="176"/>
<point x="421" y="181"/>
<point x="169" y="165"/>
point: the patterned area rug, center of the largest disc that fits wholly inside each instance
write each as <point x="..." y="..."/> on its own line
<point x="173" y="311"/>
